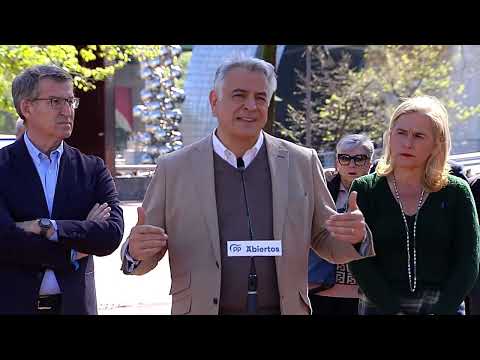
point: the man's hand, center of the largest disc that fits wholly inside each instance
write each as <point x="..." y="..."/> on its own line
<point x="145" y="240"/>
<point x="33" y="227"/>
<point x="350" y="226"/>
<point x="29" y="226"/>
<point x="99" y="212"/>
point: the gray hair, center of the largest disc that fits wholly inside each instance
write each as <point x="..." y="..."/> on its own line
<point x="25" y="85"/>
<point x="19" y="125"/>
<point x="248" y="63"/>
<point x="353" y="141"/>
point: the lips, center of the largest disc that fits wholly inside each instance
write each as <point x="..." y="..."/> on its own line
<point x="407" y="155"/>
<point x="245" y="118"/>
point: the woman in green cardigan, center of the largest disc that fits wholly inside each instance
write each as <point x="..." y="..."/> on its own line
<point x="423" y="220"/>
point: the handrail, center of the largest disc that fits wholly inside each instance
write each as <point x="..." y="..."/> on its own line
<point x="465" y="156"/>
<point x="137" y="167"/>
<point x="471" y="161"/>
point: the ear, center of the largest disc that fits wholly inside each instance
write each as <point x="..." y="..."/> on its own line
<point x="25" y="108"/>
<point x="213" y="98"/>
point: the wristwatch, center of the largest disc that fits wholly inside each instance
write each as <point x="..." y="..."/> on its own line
<point x="45" y="225"/>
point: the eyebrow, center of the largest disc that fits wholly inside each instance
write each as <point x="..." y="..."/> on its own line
<point x="416" y="131"/>
<point x="343" y="154"/>
<point x="245" y="91"/>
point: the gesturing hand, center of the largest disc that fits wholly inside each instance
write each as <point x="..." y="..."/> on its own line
<point x="349" y="226"/>
<point x="146" y="240"/>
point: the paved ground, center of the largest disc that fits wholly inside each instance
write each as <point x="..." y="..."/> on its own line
<point x="131" y="295"/>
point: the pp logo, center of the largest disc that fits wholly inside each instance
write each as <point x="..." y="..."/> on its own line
<point x="235" y="248"/>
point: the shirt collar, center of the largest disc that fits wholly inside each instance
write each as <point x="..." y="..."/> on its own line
<point x="342" y="187"/>
<point x="37" y="155"/>
<point x="230" y="157"/>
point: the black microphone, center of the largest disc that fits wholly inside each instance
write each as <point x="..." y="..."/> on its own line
<point x="252" y="276"/>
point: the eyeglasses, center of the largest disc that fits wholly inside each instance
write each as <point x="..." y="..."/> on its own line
<point x="345" y="159"/>
<point x="58" y="103"/>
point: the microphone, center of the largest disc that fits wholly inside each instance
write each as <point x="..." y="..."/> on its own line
<point x="252" y="276"/>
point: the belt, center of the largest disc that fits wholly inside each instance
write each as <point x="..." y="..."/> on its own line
<point x="49" y="303"/>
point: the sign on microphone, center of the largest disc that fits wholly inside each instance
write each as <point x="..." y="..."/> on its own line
<point x="254" y="248"/>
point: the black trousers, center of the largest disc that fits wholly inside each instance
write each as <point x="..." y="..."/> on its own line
<point x="326" y="305"/>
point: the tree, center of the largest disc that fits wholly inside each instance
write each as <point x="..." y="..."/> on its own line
<point x="269" y="54"/>
<point x="15" y="58"/>
<point x="346" y="99"/>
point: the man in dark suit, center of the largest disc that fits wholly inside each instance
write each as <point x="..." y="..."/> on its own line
<point x="51" y="222"/>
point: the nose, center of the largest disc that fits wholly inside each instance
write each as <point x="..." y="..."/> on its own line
<point x="409" y="141"/>
<point x="250" y="103"/>
<point x="67" y="109"/>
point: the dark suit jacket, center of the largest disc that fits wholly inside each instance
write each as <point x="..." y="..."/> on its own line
<point x="333" y="186"/>
<point x="82" y="181"/>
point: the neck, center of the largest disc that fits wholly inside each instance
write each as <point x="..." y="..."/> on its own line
<point x="46" y="146"/>
<point x="411" y="177"/>
<point x="238" y="146"/>
<point x="346" y="183"/>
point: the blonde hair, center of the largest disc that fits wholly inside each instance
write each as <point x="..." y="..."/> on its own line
<point x="436" y="168"/>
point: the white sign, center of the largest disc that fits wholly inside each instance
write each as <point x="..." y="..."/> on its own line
<point x="254" y="248"/>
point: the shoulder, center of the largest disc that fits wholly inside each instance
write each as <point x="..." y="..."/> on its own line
<point x="6" y="154"/>
<point x="474" y="182"/>
<point x="455" y="182"/>
<point x="456" y="187"/>
<point x="289" y="146"/>
<point x="202" y="145"/>
<point x="81" y="159"/>
<point x="332" y="177"/>
<point x="11" y="153"/>
<point x="368" y="182"/>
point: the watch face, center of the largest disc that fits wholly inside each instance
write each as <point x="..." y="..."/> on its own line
<point x="45" y="222"/>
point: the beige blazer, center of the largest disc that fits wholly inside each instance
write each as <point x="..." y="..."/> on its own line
<point x="181" y="199"/>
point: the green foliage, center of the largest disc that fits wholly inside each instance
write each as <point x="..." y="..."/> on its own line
<point x="15" y="58"/>
<point x="183" y="61"/>
<point x="7" y="123"/>
<point x="348" y="100"/>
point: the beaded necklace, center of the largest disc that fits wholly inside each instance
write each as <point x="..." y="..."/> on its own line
<point x="419" y="205"/>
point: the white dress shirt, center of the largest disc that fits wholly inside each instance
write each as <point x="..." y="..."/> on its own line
<point x="47" y="168"/>
<point x="230" y="157"/>
<point x="342" y="198"/>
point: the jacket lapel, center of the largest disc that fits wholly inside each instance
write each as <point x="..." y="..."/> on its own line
<point x="203" y="168"/>
<point x="278" y="160"/>
<point x="28" y="178"/>
<point x="64" y="184"/>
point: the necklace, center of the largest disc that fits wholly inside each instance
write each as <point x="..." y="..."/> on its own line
<point x="419" y="205"/>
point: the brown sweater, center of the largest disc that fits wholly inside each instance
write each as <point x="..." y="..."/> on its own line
<point x="233" y="225"/>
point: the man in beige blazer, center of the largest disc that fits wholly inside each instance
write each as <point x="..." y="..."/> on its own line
<point x="194" y="206"/>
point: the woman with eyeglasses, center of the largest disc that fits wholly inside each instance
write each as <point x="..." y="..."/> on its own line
<point x="423" y="220"/>
<point x="332" y="288"/>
